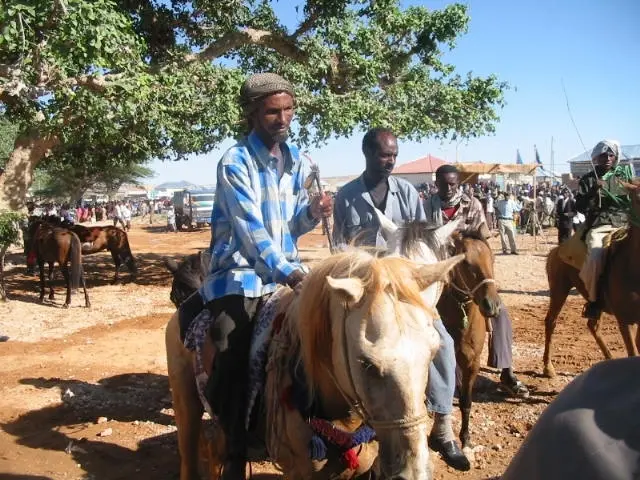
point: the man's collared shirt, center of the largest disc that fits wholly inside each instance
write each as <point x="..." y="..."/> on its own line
<point x="354" y="218"/>
<point x="506" y="208"/>
<point x="469" y="210"/>
<point x="256" y="220"/>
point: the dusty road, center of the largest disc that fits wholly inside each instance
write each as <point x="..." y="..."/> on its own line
<point x="63" y="370"/>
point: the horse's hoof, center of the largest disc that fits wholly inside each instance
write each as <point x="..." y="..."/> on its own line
<point x="41" y="299"/>
<point x="87" y="305"/>
<point x="549" y="371"/>
<point x="66" y="305"/>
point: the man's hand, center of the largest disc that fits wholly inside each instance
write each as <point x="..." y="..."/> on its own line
<point x="294" y="280"/>
<point x="321" y="206"/>
<point x="602" y="183"/>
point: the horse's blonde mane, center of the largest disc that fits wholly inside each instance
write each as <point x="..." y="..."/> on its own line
<point x="312" y="319"/>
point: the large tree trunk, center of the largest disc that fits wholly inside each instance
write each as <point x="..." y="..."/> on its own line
<point x="29" y="150"/>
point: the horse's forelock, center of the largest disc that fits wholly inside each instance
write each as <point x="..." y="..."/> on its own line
<point x="416" y="233"/>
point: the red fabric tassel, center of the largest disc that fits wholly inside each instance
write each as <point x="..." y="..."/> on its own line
<point x="350" y="459"/>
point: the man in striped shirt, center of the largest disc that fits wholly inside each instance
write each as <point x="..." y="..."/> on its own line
<point x="260" y="211"/>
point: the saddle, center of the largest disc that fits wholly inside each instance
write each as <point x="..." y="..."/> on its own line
<point x="574" y="251"/>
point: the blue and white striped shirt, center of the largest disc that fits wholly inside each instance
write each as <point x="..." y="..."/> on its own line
<point x="256" y="220"/>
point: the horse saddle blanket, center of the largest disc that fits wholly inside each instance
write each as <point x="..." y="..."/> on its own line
<point x="574" y="251"/>
<point x="267" y="321"/>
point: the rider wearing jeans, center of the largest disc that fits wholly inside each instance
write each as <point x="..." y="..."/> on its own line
<point x="355" y="221"/>
<point x="260" y="211"/>
<point x="605" y="205"/>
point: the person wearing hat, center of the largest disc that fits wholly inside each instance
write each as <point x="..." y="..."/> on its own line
<point x="260" y="210"/>
<point x="605" y="204"/>
<point x="447" y="205"/>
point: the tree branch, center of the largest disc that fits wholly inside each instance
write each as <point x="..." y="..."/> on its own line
<point x="306" y="25"/>
<point x="286" y="46"/>
<point x="95" y="83"/>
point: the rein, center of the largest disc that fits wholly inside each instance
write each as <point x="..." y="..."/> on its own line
<point x="470" y="293"/>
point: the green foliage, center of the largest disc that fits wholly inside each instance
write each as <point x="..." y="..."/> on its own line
<point x="9" y="228"/>
<point x="67" y="180"/>
<point x="131" y="80"/>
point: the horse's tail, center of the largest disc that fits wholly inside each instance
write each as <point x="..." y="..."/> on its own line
<point x="76" y="261"/>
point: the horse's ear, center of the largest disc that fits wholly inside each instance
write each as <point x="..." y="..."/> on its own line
<point x="171" y="264"/>
<point x="390" y="232"/>
<point x="442" y="234"/>
<point x="350" y="288"/>
<point x="429" y="274"/>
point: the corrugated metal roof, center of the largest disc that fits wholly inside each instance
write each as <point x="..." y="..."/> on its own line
<point x="629" y="152"/>
<point x="428" y="164"/>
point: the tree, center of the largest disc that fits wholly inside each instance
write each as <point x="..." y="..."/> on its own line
<point x="69" y="178"/>
<point x="9" y="234"/>
<point x="161" y="79"/>
<point x="8" y="134"/>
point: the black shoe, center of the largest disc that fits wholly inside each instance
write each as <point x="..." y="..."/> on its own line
<point x="592" y="311"/>
<point x="514" y="253"/>
<point x="504" y="252"/>
<point x="234" y="469"/>
<point x="514" y="387"/>
<point x="451" y="453"/>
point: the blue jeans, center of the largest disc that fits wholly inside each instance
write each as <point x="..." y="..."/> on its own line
<point x="442" y="374"/>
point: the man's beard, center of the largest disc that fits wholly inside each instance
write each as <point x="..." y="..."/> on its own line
<point x="280" y="137"/>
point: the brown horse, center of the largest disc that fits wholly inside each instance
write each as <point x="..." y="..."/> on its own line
<point x="53" y="244"/>
<point x="620" y="287"/>
<point x="467" y="301"/>
<point x="97" y="239"/>
<point x="363" y="335"/>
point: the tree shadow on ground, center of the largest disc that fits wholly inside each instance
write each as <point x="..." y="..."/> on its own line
<point x="126" y="398"/>
<point x="99" y="271"/>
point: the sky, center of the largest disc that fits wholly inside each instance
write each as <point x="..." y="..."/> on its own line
<point x="593" y="46"/>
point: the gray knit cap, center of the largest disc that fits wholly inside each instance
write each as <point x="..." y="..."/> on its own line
<point x="260" y="85"/>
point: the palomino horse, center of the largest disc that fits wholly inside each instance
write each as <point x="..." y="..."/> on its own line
<point x="620" y="287"/>
<point x="467" y="300"/>
<point x="97" y="239"/>
<point x="52" y="244"/>
<point x="364" y="337"/>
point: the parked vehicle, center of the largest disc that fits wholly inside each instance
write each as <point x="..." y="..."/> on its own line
<point x="193" y="207"/>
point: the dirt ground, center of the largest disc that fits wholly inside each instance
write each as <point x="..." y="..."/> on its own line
<point x="84" y="392"/>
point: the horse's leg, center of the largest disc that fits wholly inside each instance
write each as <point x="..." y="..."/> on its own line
<point x="627" y="337"/>
<point x="594" y="328"/>
<point x="559" y="287"/>
<point x="42" y="286"/>
<point x="87" y="303"/>
<point x="469" y="374"/>
<point x="67" y="279"/>
<point x="186" y="403"/>
<point x="116" y="260"/>
<point x="638" y="336"/>
<point x="50" y="276"/>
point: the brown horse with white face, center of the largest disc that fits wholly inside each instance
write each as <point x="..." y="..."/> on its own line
<point x="620" y="283"/>
<point x="52" y="244"/>
<point x="364" y="336"/>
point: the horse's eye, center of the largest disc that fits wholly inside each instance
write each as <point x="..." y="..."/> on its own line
<point x="370" y="368"/>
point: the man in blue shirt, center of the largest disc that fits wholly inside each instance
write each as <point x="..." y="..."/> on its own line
<point x="505" y="208"/>
<point x="260" y="211"/>
<point x="355" y="221"/>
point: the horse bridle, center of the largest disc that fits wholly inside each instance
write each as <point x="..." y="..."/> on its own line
<point x="470" y="293"/>
<point x="357" y="405"/>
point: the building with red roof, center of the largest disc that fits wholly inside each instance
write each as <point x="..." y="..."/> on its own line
<point x="419" y="171"/>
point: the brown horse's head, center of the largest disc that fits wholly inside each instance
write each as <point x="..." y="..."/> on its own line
<point x="474" y="277"/>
